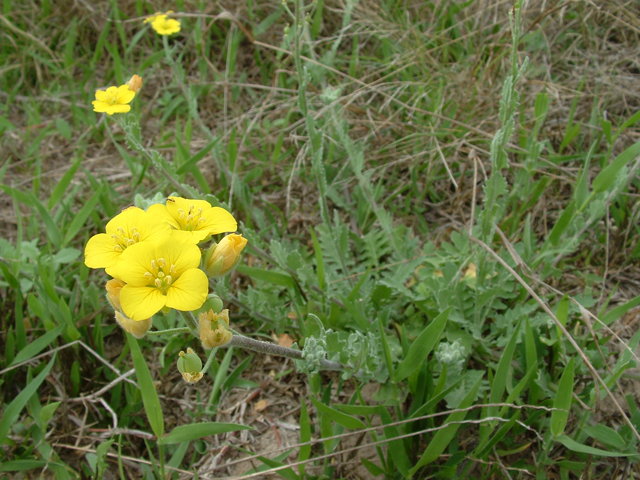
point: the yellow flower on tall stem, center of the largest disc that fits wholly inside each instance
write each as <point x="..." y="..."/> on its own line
<point x="159" y="275"/>
<point x="194" y="220"/>
<point x="133" y="225"/>
<point x="113" y="100"/>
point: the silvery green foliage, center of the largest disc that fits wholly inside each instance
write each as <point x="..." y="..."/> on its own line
<point x="452" y="355"/>
<point x="315" y="350"/>
<point x="360" y="354"/>
<point x="330" y="95"/>
<point x="144" y="203"/>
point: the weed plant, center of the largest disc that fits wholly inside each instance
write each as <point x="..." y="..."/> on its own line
<point x="439" y="200"/>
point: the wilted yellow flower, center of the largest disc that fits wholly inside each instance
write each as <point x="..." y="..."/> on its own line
<point x="221" y="258"/>
<point x="190" y="366"/>
<point x="214" y="329"/>
<point x="470" y="274"/>
<point x="137" y="328"/>
<point x="113" y="100"/>
<point x="135" y="83"/>
<point x="113" y="287"/>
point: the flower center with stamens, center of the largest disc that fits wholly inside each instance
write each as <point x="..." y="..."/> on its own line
<point x="192" y="220"/>
<point x="161" y="275"/>
<point x="123" y="239"/>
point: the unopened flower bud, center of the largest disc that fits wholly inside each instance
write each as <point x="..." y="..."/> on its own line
<point x="213" y="302"/>
<point x="190" y="366"/>
<point x="135" y="83"/>
<point x="224" y="256"/>
<point x="214" y="329"/>
<point x="137" y="328"/>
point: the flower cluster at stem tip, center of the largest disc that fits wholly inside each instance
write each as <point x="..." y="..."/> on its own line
<point x="154" y="258"/>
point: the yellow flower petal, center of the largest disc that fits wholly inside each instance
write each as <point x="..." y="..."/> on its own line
<point x="113" y="100"/>
<point x="199" y="218"/>
<point x="165" y="26"/>
<point x="189" y="292"/>
<point x="128" y="228"/>
<point x="161" y="214"/>
<point x="140" y="303"/>
<point x="158" y="274"/>
<point x="135" y="263"/>
<point x="99" y="252"/>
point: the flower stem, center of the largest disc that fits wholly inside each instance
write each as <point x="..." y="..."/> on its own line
<point x="191" y="323"/>
<point x="169" y="330"/>
<point x="212" y="354"/>
<point x="273" y="349"/>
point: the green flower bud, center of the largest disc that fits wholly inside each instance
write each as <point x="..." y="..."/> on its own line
<point x="213" y="303"/>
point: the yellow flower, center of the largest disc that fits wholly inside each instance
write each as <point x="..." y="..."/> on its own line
<point x="135" y="83"/>
<point x="113" y="100"/>
<point x="159" y="275"/>
<point x="221" y="258"/>
<point x="194" y="220"/>
<point x="131" y="226"/>
<point x="163" y="25"/>
<point x="214" y="329"/>
<point x="137" y="328"/>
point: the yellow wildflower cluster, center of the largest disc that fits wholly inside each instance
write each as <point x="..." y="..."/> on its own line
<point x="154" y="258"/>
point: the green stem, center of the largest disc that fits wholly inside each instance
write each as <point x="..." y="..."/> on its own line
<point x="273" y="349"/>
<point x="191" y="323"/>
<point x="169" y="330"/>
<point x="212" y="354"/>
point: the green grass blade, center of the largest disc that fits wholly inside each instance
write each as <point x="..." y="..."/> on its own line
<point x="81" y="217"/>
<point x="441" y="440"/>
<point x="400" y="457"/>
<point x="502" y="373"/>
<point x="305" y="436"/>
<point x="12" y="411"/>
<point x="36" y="346"/>
<point x="563" y="401"/>
<point x="186" y="433"/>
<point x="150" y="398"/>
<point x="606" y="177"/>
<point x="30" y="200"/>
<point x="574" y="446"/>
<point x="340" y="418"/>
<point x="422" y="346"/>
<point x="63" y="183"/>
